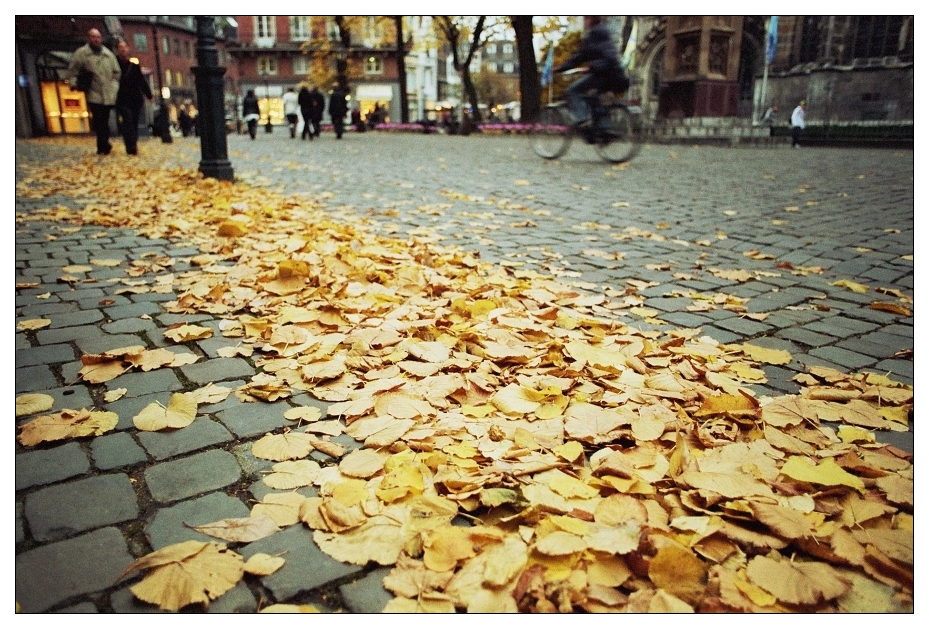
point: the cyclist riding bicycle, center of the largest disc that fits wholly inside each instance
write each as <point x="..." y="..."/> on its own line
<point x="598" y="53"/>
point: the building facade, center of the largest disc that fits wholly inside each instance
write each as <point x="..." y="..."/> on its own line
<point x="165" y="47"/>
<point x="275" y="52"/>
<point x="847" y="68"/>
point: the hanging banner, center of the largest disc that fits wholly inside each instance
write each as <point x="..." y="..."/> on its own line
<point x="771" y="47"/>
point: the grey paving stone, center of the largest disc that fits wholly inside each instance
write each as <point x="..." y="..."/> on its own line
<point x="367" y="595"/>
<point x="41" y="467"/>
<point x="307" y="567"/>
<point x="35" y="379"/>
<point x="132" y="310"/>
<point x="217" y="370"/>
<point x="201" y="433"/>
<point x="116" y="450"/>
<point x="69" y="319"/>
<point x="80" y="608"/>
<point x="723" y="336"/>
<point x="20" y="523"/>
<point x="900" y="370"/>
<point x="168" y="525"/>
<point x="106" y="342"/>
<point x="129" y="326"/>
<point x="843" y="357"/>
<point x="254" y="418"/>
<point x="192" y="475"/>
<point x="69" y="508"/>
<point x="746" y="327"/>
<point x="144" y="382"/>
<point x="51" y="574"/>
<point x="806" y="337"/>
<point x="44" y="355"/>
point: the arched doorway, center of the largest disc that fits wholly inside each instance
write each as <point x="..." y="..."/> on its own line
<point x="64" y="109"/>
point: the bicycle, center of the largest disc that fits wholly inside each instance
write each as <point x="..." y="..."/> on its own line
<point x="615" y="129"/>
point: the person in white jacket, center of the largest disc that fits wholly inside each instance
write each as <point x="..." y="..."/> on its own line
<point x="798" y="122"/>
<point x="291" y="108"/>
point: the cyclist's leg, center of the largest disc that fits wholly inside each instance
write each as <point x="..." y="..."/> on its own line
<point x="577" y="105"/>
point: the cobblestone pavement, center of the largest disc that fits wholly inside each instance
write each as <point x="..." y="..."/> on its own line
<point x="660" y="226"/>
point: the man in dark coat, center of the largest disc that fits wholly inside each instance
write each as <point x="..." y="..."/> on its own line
<point x="317" y="108"/>
<point x="598" y="53"/>
<point x="133" y="88"/>
<point x="303" y="100"/>
<point x="337" y="109"/>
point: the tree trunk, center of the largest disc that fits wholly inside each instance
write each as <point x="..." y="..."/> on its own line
<point x="466" y="71"/>
<point x="341" y="64"/>
<point x="401" y="70"/>
<point x="530" y="92"/>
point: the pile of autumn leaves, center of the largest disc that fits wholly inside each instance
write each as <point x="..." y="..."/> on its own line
<point x="600" y="467"/>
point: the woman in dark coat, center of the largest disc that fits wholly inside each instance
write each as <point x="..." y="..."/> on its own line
<point x="337" y="109"/>
<point x="250" y="112"/>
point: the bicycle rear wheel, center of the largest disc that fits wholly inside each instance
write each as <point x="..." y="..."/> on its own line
<point x="551" y="135"/>
<point x="622" y="140"/>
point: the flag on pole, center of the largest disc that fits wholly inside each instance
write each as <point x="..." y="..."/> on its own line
<point x="629" y="53"/>
<point x="771" y="46"/>
<point x="547" y="70"/>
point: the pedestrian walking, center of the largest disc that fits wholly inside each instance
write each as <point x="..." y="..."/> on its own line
<point x="103" y="69"/>
<point x="303" y="100"/>
<point x="133" y="90"/>
<point x="317" y="109"/>
<point x="251" y="112"/>
<point x="291" y="107"/>
<point x="337" y="110"/>
<point x="798" y="123"/>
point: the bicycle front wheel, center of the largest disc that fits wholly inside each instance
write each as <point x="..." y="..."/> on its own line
<point x="623" y="139"/>
<point x="551" y="135"/>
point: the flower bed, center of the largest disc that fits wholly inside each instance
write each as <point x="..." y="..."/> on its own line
<point x="504" y="127"/>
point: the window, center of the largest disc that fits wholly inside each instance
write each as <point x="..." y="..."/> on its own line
<point x="299" y="27"/>
<point x="508" y="49"/>
<point x="264" y="27"/>
<point x="177" y="46"/>
<point x="372" y="31"/>
<point x="491" y="49"/>
<point x="168" y="76"/>
<point x="187" y="49"/>
<point x="302" y="64"/>
<point x="165" y="45"/>
<point x="508" y="68"/>
<point x="178" y="78"/>
<point x="332" y="29"/>
<point x="374" y="65"/>
<point x="813" y="35"/>
<point x="140" y="42"/>
<point x="267" y="65"/>
<point x="878" y="35"/>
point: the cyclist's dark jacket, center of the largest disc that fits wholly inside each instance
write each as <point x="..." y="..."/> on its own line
<point x="598" y="52"/>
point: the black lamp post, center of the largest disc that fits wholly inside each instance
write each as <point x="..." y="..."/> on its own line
<point x="211" y="103"/>
<point x="160" y="124"/>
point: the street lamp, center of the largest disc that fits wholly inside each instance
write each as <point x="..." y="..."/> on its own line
<point x="160" y="123"/>
<point x="211" y="103"/>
